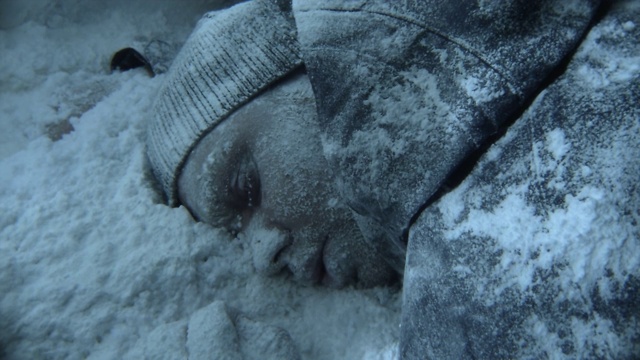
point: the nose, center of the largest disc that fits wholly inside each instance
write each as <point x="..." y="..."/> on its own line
<point x="267" y="247"/>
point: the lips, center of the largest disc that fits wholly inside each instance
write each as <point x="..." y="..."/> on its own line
<point x="316" y="272"/>
<point x="324" y="274"/>
<point x="321" y="262"/>
<point x="319" y="271"/>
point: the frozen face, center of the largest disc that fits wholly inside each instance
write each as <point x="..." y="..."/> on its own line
<point x="261" y="173"/>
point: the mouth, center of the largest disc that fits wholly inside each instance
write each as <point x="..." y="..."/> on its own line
<point x="319" y="270"/>
<point x="322" y="274"/>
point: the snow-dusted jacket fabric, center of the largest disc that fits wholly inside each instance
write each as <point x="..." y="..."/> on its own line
<point x="228" y="59"/>
<point x="407" y="89"/>
<point x="536" y="254"/>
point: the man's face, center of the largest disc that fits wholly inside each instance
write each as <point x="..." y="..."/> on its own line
<point x="262" y="173"/>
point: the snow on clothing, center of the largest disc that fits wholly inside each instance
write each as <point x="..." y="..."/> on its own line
<point x="405" y="93"/>
<point x="406" y="90"/>
<point x="535" y="254"/>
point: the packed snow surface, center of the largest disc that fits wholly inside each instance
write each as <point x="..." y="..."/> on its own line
<point x="92" y="264"/>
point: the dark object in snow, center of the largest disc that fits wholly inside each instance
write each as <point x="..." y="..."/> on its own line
<point x="130" y="58"/>
<point x="56" y="130"/>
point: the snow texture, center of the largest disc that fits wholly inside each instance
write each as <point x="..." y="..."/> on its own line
<point x="92" y="265"/>
<point x="535" y="254"/>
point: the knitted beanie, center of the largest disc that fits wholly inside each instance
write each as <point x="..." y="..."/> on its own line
<point x="229" y="58"/>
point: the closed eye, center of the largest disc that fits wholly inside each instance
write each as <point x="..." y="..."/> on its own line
<point x="244" y="185"/>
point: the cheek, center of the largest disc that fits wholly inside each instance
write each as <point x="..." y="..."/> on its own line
<point x="295" y="195"/>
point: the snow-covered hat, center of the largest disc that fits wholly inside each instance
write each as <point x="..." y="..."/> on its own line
<point x="229" y="58"/>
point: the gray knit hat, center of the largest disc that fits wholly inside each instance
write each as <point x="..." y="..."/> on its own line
<point x="229" y="58"/>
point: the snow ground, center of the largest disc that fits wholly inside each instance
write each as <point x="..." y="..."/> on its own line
<point x="92" y="265"/>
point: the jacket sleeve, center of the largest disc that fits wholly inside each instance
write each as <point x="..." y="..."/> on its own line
<point x="408" y="89"/>
<point x="531" y="256"/>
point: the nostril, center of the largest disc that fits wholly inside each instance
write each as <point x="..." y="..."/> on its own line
<point x="282" y="246"/>
<point x="269" y="248"/>
<point x="278" y="255"/>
